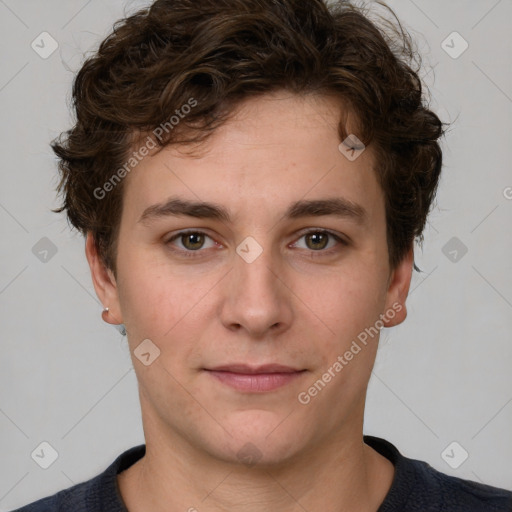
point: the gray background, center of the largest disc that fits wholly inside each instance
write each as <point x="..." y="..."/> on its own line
<point x="442" y="376"/>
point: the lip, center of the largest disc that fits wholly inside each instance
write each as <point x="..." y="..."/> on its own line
<point x="255" y="379"/>
<point x="253" y="370"/>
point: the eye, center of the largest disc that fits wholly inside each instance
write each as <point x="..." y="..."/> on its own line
<point x="191" y="241"/>
<point x="318" y="240"/>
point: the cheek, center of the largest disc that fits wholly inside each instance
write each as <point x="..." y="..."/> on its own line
<point x="154" y="306"/>
<point x="348" y="301"/>
<point x="166" y="307"/>
<point x="350" y="305"/>
<point x="149" y="299"/>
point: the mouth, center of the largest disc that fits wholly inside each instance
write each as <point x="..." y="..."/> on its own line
<point x="255" y="379"/>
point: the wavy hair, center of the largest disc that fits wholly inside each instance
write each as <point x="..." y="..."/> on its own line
<point x="222" y="52"/>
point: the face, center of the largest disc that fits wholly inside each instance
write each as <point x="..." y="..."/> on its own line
<point x="287" y="265"/>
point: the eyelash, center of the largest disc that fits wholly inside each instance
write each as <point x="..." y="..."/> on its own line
<point x="194" y="254"/>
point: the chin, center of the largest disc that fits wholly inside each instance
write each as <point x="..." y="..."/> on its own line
<point x="258" y="438"/>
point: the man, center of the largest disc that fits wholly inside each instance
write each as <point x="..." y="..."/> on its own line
<point x="242" y="171"/>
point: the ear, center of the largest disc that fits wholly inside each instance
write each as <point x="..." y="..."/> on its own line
<point x="398" y="289"/>
<point x="104" y="283"/>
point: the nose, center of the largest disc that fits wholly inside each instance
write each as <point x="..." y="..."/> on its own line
<point x="256" y="297"/>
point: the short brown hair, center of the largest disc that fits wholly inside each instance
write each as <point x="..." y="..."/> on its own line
<point x="221" y="52"/>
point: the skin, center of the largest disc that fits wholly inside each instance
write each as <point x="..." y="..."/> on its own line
<point x="295" y="305"/>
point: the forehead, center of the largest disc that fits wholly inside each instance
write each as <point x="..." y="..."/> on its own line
<point x="273" y="150"/>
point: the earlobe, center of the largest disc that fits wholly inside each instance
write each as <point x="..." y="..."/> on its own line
<point x="396" y="310"/>
<point x="104" y="283"/>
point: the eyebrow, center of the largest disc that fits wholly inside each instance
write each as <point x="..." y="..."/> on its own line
<point x="173" y="207"/>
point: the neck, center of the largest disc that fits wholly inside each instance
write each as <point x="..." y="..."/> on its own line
<point x="343" y="474"/>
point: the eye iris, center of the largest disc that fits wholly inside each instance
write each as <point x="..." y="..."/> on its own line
<point x="196" y="239"/>
<point x="320" y="238"/>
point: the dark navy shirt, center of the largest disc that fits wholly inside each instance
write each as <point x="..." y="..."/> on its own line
<point x="416" y="487"/>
